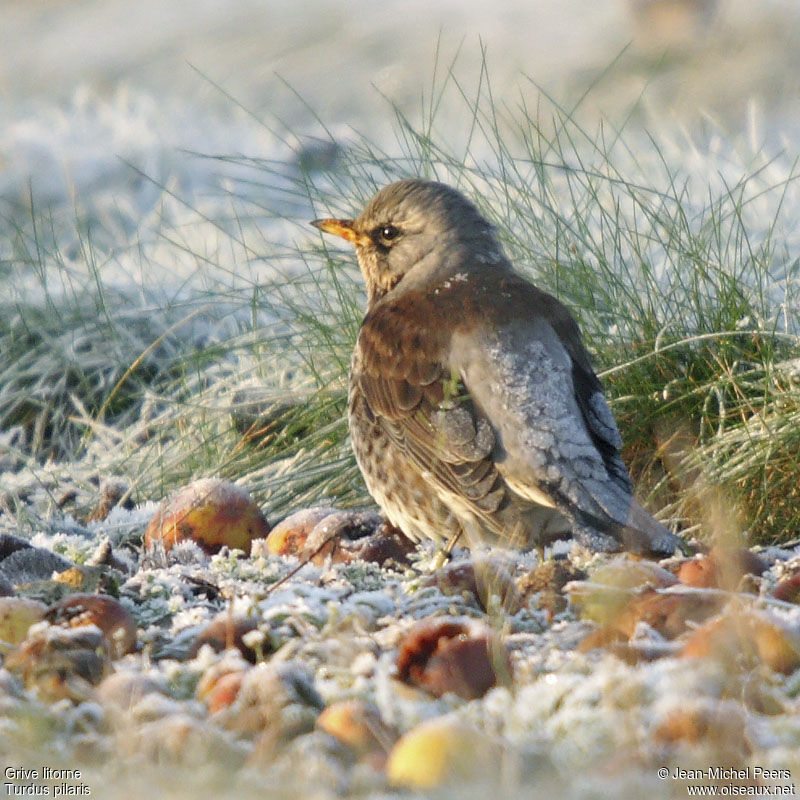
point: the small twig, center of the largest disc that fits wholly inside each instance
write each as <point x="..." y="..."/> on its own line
<point x="297" y="569"/>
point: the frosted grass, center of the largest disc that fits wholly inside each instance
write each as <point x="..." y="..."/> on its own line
<point x="168" y="313"/>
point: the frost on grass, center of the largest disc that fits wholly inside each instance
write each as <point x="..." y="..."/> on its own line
<point x="675" y="249"/>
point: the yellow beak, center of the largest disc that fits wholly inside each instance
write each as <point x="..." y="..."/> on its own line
<point x="341" y="227"/>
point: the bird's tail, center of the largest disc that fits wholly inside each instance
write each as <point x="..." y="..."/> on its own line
<point x="644" y="535"/>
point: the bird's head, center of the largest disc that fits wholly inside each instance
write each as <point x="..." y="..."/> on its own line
<point x="415" y="227"/>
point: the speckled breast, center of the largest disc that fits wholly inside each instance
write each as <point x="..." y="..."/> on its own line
<point x="394" y="482"/>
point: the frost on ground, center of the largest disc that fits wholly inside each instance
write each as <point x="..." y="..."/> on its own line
<point x="598" y="697"/>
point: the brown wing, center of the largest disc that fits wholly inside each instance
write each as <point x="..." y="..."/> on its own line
<point x="424" y="410"/>
<point x="441" y="422"/>
<point x="405" y="348"/>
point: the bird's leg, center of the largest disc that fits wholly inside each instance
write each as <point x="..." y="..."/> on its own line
<point x="446" y="553"/>
<point x="440" y="559"/>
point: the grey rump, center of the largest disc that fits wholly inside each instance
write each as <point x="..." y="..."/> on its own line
<point x="474" y="410"/>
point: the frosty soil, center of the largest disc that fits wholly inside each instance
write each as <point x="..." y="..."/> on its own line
<point x="329" y="636"/>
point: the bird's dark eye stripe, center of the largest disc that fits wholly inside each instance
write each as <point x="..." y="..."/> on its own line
<point x="385" y="233"/>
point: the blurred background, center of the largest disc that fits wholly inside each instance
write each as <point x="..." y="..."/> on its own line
<point x="85" y="84"/>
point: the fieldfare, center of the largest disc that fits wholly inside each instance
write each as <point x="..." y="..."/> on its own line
<point x="473" y="407"/>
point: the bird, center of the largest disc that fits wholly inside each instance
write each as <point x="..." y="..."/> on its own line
<point x="474" y="412"/>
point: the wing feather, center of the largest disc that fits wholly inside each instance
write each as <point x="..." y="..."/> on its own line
<point x="501" y="410"/>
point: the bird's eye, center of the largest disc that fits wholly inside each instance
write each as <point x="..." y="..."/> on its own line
<point x="389" y="232"/>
